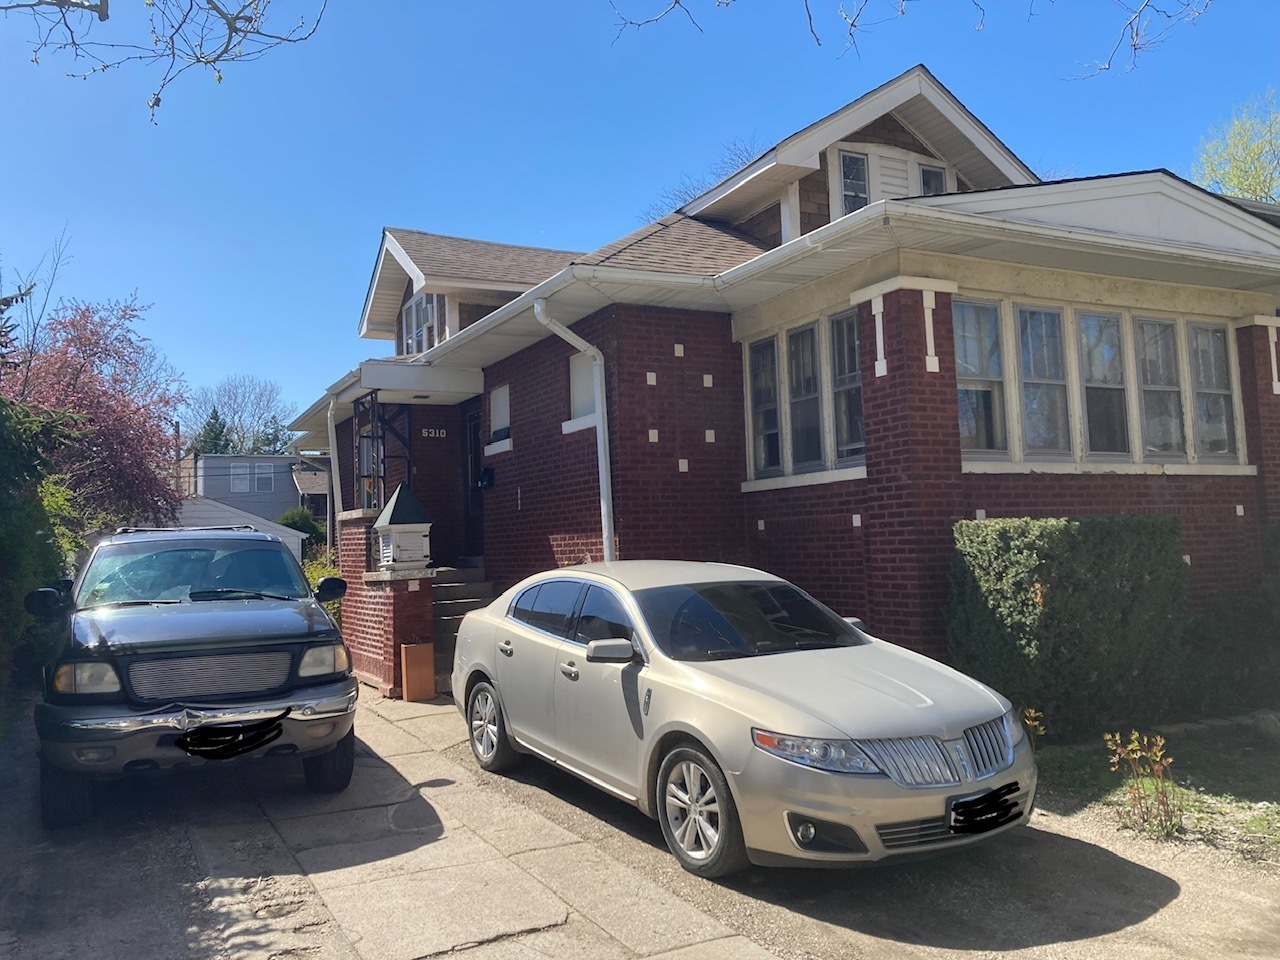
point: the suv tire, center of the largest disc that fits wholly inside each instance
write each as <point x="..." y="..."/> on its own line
<point x="331" y="772"/>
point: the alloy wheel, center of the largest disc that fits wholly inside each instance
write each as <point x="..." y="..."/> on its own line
<point x="693" y="810"/>
<point x="484" y="725"/>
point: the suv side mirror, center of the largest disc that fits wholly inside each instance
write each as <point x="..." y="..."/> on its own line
<point x="65" y="584"/>
<point x="45" y="604"/>
<point x="331" y="588"/>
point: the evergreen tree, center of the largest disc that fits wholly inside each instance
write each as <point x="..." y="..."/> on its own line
<point x="213" y="436"/>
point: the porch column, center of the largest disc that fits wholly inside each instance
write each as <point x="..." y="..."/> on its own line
<point x="907" y="360"/>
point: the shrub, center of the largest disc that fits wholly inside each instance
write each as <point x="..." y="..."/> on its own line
<point x="1152" y="803"/>
<point x="300" y="519"/>
<point x="324" y="565"/>
<point x="28" y="560"/>
<point x="1083" y="618"/>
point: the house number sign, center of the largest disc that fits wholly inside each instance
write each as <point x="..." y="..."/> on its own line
<point x="435" y="433"/>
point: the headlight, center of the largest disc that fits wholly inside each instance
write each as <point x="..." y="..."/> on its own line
<point x="836" y="756"/>
<point x="331" y="658"/>
<point x="1014" y="728"/>
<point x="88" y="676"/>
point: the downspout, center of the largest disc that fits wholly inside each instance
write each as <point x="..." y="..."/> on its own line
<point x="334" y="481"/>
<point x="602" y="420"/>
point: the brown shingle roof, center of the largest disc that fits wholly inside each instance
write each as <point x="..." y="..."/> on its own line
<point x="311" y="481"/>
<point x="678" y="244"/>
<point x="440" y="256"/>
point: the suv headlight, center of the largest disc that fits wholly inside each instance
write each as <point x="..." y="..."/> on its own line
<point x="330" y="658"/>
<point x="87" y="676"/>
<point x="835" y="756"/>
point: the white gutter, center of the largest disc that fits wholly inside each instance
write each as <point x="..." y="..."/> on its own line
<point x="602" y="420"/>
<point x="334" y="503"/>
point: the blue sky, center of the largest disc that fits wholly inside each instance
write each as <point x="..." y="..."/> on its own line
<point x="250" y="215"/>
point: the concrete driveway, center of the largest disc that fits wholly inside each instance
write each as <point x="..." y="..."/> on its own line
<point x="425" y="856"/>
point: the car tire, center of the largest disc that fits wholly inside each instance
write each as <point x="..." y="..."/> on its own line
<point x="331" y="772"/>
<point x="66" y="798"/>
<point x="698" y="816"/>
<point x="487" y="725"/>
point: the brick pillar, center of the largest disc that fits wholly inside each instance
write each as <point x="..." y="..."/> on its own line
<point x="1258" y="373"/>
<point x="382" y="609"/>
<point x="913" y="464"/>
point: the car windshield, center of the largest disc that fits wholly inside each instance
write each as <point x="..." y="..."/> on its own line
<point x="176" y="571"/>
<point x="715" y="621"/>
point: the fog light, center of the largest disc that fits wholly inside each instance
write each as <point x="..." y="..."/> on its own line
<point x="806" y="832"/>
<point x="95" y="754"/>
<point x="317" y="730"/>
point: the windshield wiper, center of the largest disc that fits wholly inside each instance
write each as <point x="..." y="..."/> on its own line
<point x="128" y="603"/>
<point x="235" y="593"/>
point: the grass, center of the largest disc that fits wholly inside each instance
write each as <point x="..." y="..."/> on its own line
<point x="1229" y="785"/>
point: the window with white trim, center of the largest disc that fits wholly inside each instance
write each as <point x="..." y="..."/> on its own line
<point x="1101" y="385"/>
<point x="854" y="181"/>
<point x="933" y="181"/>
<point x="264" y="480"/>
<point x="1106" y="417"/>
<point x="500" y="413"/>
<point x="422" y="321"/>
<point x="1214" y="427"/>
<point x="805" y="396"/>
<point x="1045" y="422"/>
<point x="846" y="386"/>
<point x="239" y="478"/>
<point x="766" y="437"/>
<point x="980" y="391"/>
<point x="1162" y="431"/>
<point x="582" y="386"/>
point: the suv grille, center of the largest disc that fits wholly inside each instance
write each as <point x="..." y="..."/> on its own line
<point x="209" y="676"/>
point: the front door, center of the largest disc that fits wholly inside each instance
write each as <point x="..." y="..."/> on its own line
<point x="473" y="469"/>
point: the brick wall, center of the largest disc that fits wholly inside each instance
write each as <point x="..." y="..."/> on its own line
<point x="1261" y="415"/>
<point x="765" y="226"/>
<point x="695" y="405"/>
<point x="438" y="476"/>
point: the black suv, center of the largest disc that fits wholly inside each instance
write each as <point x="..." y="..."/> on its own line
<point x="187" y="646"/>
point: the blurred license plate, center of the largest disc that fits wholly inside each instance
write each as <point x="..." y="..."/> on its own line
<point x="980" y="812"/>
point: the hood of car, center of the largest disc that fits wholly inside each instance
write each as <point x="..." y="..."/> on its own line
<point x="202" y="623"/>
<point x="868" y="691"/>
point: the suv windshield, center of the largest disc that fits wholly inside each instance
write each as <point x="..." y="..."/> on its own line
<point x="160" y="571"/>
<point x="713" y="621"/>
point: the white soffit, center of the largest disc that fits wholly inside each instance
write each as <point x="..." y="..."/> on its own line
<point x="1151" y="206"/>
<point x="391" y="271"/>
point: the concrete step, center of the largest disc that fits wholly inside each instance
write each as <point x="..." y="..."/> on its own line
<point x="462" y="591"/>
<point x="445" y="609"/>
<point x="460" y="575"/>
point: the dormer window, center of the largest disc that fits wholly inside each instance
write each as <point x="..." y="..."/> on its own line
<point x="853" y="176"/>
<point x="422" y="322"/>
<point x="933" y="180"/>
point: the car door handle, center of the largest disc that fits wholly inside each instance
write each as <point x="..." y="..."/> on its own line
<point x="569" y="670"/>
<point x="505" y="648"/>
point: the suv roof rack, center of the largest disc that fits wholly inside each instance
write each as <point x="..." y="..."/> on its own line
<point x="243" y="527"/>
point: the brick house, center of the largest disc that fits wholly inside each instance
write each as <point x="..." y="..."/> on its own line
<point x="884" y="324"/>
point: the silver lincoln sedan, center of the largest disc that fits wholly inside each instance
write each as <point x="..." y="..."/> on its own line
<point x="751" y="721"/>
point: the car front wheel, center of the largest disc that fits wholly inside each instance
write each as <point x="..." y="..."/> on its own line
<point x="698" y="815"/>
<point x="65" y="798"/>
<point x="331" y="772"/>
<point x="489" y="741"/>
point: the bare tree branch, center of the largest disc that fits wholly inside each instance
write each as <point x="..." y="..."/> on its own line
<point x="182" y="34"/>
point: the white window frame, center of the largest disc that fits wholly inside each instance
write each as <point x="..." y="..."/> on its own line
<point x="1069" y="357"/>
<point x="1010" y="413"/>
<point x="1018" y="459"/>
<point x="1126" y="388"/>
<point x="241" y="481"/>
<point x="582" y="387"/>
<point x="754" y="470"/>
<point x="424" y="322"/>
<point x="1232" y="393"/>
<point x="937" y="167"/>
<point x="820" y="393"/>
<point x="499" y="420"/>
<point x="261" y="471"/>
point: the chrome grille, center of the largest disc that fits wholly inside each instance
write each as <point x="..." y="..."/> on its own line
<point x="912" y="761"/>
<point x="924" y="833"/>
<point x="209" y="676"/>
<point x="990" y="747"/>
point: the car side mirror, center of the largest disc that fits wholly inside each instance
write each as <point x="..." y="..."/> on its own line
<point x="45" y="604"/>
<point x="855" y="622"/>
<point x="329" y="589"/>
<point x="610" y="651"/>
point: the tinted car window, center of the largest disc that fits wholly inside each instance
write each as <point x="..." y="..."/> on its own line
<point x="522" y="609"/>
<point x="602" y="618"/>
<point x="712" y="621"/>
<point x="554" y="605"/>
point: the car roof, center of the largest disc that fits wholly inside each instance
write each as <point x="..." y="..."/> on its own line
<point x="644" y="574"/>
<point x="135" y="535"/>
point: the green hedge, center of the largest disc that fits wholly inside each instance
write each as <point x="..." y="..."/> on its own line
<point x="28" y="560"/>
<point x="1083" y="619"/>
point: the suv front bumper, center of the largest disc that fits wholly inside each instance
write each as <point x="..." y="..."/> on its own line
<point x="112" y="739"/>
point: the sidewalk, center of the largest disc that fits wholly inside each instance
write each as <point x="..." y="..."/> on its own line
<point x="415" y="860"/>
